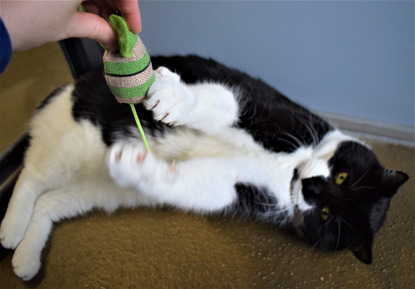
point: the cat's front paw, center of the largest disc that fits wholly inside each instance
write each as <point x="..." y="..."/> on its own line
<point x="170" y="99"/>
<point x="130" y="165"/>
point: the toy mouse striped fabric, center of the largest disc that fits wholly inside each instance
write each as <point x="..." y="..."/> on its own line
<point x="128" y="72"/>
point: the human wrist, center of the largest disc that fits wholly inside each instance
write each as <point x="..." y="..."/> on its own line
<point x="6" y="47"/>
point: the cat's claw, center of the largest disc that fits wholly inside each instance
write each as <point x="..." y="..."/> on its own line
<point x="169" y="99"/>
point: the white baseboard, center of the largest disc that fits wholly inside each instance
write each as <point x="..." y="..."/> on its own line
<point x="370" y="129"/>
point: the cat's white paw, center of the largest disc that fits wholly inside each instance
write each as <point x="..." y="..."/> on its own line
<point x="169" y="99"/>
<point x="12" y="231"/>
<point x="26" y="262"/>
<point x="130" y="165"/>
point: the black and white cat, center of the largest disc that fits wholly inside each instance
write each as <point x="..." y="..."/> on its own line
<point x="221" y="142"/>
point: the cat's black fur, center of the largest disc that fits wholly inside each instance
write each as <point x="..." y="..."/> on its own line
<point x="357" y="208"/>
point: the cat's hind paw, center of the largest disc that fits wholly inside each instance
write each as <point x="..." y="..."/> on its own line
<point x="11" y="232"/>
<point x="26" y="262"/>
<point x="169" y="99"/>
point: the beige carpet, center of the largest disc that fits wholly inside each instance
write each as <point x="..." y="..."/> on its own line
<point x="168" y="249"/>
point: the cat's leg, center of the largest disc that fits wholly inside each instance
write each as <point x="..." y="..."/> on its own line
<point x="207" y="107"/>
<point x="19" y="212"/>
<point x="51" y="207"/>
<point x="43" y="171"/>
<point x="201" y="185"/>
<point x="51" y="160"/>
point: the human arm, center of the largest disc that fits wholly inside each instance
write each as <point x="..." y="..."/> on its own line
<point x="33" y="23"/>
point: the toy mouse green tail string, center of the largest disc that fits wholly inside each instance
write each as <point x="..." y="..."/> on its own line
<point x="129" y="73"/>
<point x="140" y="128"/>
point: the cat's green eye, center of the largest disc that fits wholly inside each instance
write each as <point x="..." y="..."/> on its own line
<point x="340" y="177"/>
<point x="324" y="214"/>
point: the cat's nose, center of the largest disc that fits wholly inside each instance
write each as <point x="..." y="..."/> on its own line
<point x="312" y="186"/>
<point x="306" y="182"/>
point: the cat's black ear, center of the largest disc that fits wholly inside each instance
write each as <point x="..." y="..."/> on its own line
<point x="363" y="251"/>
<point x="392" y="180"/>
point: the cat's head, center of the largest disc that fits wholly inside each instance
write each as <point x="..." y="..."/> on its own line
<point x="350" y="205"/>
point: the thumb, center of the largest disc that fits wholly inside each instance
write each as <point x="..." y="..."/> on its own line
<point x="92" y="26"/>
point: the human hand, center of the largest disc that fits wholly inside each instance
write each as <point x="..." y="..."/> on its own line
<point x="36" y="22"/>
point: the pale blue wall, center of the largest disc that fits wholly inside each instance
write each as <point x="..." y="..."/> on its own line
<point x="354" y="58"/>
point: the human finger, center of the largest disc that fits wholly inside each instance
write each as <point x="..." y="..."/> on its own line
<point x="91" y="7"/>
<point x="92" y="26"/>
<point x="105" y="10"/>
<point x="130" y="11"/>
